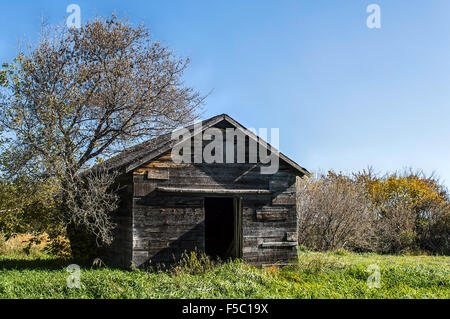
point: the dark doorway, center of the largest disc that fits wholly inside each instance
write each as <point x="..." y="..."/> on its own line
<point x="222" y="227"/>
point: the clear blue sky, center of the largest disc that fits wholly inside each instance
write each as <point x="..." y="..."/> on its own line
<point x="344" y="96"/>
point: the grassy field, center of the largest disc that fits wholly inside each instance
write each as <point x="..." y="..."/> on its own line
<point x="318" y="275"/>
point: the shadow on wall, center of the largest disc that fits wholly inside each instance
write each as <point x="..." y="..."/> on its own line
<point x="169" y="256"/>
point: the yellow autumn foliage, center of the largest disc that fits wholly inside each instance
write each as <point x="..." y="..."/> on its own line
<point x="411" y="191"/>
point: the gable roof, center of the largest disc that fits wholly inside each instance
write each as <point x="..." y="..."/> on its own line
<point x="135" y="156"/>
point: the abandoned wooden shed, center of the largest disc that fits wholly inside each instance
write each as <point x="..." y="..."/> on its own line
<point x="228" y="210"/>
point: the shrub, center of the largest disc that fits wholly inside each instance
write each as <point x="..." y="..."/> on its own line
<point x="413" y="212"/>
<point x="333" y="213"/>
<point x="396" y="213"/>
<point x="395" y="231"/>
<point x="193" y="262"/>
<point x="59" y="246"/>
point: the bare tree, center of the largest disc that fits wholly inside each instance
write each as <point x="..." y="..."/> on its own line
<point x="81" y="95"/>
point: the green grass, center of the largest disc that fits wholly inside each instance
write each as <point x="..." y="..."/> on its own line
<point x="318" y="275"/>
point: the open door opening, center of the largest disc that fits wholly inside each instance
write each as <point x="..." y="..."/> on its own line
<point x="223" y="227"/>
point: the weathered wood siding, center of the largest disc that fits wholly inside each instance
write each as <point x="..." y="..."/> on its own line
<point x="164" y="225"/>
